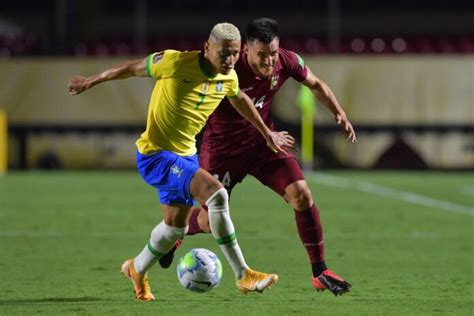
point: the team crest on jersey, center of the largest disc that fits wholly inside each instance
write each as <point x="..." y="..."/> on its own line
<point x="157" y="57"/>
<point x="219" y="86"/>
<point x="274" y="82"/>
<point x="205" y="86"/>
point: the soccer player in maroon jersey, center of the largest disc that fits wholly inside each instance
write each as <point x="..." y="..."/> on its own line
<point x="262" y="69"/>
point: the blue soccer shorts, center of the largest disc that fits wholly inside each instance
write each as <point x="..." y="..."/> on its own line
<point x="170" y="174"/>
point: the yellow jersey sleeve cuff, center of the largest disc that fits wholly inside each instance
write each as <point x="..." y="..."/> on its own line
<point x="236" y="95"/>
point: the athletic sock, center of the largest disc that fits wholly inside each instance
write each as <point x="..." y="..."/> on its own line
<point x="318" y="268"/>
<point x="163" y="237"/>
<point x="223" y="231"/>
<point x="311" y="235"/>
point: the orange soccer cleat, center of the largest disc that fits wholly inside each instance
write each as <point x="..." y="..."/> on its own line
<point x="140" y="282"/>
<point x="254" y="281"/>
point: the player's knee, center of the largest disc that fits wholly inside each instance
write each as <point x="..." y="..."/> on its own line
<point x="176" y="233"/>
<point x="301" y="198"/>
<point x="219" y="201"/>
<point x="169" y="232"/>
<point x="203" y="185"/>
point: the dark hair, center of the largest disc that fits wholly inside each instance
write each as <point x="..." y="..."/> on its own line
<point x="263" y="30"/>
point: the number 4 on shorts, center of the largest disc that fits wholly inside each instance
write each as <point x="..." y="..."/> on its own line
<point x="225" y="179"/>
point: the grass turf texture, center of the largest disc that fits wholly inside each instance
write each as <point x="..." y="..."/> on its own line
<point x="63" y="237"/>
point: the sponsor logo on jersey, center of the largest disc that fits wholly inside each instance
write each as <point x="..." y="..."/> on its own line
<point x="205" y="86"/>
<point x="219" y="86"/>
<point x="247" y="89"/>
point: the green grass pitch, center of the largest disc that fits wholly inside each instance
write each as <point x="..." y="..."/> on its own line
<point x="403" y="239"/>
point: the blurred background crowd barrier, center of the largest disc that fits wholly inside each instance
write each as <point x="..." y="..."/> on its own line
<point x="404" y="72"/>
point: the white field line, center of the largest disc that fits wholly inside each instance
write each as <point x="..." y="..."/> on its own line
<point x="376" y="189"/>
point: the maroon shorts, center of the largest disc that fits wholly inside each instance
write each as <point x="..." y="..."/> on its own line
<point x="276" y="171"/>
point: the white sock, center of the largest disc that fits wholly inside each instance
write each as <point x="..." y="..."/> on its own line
<point x="223" y="231"/>
<point x="162" y="239"/>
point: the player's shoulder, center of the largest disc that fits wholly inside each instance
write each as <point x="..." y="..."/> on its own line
<point x="185" y="56"/>
<point x="292" y="63"/>
<point x="172" y="55"/>
<point x="162" y="57"/>
<point x="189" y="54"/>
<point x="289" y="57"/>
<point x="231" y="76"/>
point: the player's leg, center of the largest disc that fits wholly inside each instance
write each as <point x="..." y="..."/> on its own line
<point x="229" y="171"/>
<point x="311" y="234"/>
<point x="198" y="223"/>
<point x="308" y="222"/>
<point x="173" y="185"/>
<point x="286" y="178"/>
<point x="162" y="238"/>
<point x="209" y="191"/>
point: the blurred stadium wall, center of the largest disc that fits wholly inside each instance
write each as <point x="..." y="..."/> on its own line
<point x="379" y="91"/>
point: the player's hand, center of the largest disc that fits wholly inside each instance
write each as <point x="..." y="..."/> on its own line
<point x="77" y="85"/>
<point x="278" y="141"/>
<point x="341" y="119"/>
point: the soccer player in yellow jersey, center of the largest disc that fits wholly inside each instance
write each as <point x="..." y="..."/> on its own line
<point x="189" y="86"/>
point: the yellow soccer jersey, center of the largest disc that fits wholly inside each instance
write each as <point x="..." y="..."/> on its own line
<point x="184" y="96"/>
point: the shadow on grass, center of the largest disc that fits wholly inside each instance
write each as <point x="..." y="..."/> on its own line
<point x="50" y="300"/>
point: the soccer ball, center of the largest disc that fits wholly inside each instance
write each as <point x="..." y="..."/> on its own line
<point x="199" y="270"/>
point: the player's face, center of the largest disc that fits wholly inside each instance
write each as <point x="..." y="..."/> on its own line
<point x="222" y="55"/>
<point x="262" y="57"/>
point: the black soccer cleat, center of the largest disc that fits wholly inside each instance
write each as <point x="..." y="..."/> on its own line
<point x="167" y="259"/>
<point x="331" y="281"/>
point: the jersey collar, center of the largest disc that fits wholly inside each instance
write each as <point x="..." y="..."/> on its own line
<point x="202" y="65"/>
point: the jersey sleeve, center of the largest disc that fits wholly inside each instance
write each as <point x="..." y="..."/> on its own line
<point x="234" y="90"/>
<point x="162" y="64"/>
<point x="294" y="65"/>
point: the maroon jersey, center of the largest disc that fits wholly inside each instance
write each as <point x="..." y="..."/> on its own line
<point x="227" y="132"/>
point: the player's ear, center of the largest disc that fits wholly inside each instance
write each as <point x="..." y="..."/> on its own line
<point x="246" y="48"/>
<point x="206" y="47"/>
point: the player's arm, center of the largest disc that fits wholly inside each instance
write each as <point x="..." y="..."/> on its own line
<point x="324" y="94"/>
<point x="275" y="140"/>
<point x="124" y="70"/>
